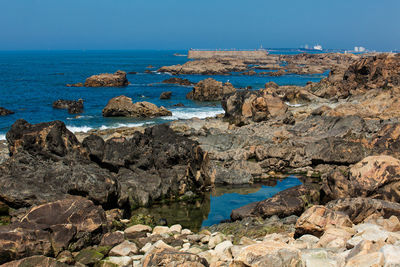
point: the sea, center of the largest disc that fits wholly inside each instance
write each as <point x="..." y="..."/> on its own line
<point x="30" y="81"/>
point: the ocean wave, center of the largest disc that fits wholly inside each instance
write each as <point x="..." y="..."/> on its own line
<point x="85" y="128"/>
<point x="80" y="117"/>
<point x="79" y="129"/>
<point x="193" y="113"/>
<point x="2" y="137"/>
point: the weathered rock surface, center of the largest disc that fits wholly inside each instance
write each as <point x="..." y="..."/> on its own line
<point x="122" y="106"/>
<point x="180" y="81"/>
<point x="210" y="90"/>
<point x="166" y="95"/>
<point x="50" y="228"/>
<point x="245" y="106"/>
<point x="5" y="112"/>
<point x="35" y="261"/>
<point x="117" y="79"/>
<point x="170" y="257"/>
<point x="72" y="106"/>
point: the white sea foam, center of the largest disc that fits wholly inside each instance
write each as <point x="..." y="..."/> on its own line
<point x="85" y="128"/>
<point x="79" y="129"/>
<point x="183" y="114"/>
<point x="2" y="137"/>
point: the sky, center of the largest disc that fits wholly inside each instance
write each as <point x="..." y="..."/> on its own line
<point x="184" y="24"/>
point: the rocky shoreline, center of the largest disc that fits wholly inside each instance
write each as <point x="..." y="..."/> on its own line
<point x="70" y="199"/>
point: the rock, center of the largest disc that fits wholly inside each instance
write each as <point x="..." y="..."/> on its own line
<point x="66" y="257"/>
<point x="122" y="106"/>
<point x="268" y="253"/>
<point x="271" y="85"/>
<point x="373" y="259"/>
<point x="166" y="95"/>
<point x="374" y="177"/>
<point x="246" y="106"/>
<point x="116" y="261"/>
<point x="112" y="239"/>
<point x="72" y="106"/>
<point x="212" y="66"/>
<point x="89" y="256"/>
<point x="317" y="257"/>
<point x="171" y="257"/>
<point x="176" y="228"/>
<point x="172" y="165"/>
<point x="117" y="79"/>
<point x="180" y="81"/>
<point x="178" y="105"/>
<point x="132" y="72"/>
<point x="359" y="209"/>
<point x="35" y="261"/>
<point x="215" y="240"/>
<point x="335" y="238"/>
<point x="5" y="112"/>
<point x="74" y="85"/>
<point x="159" y="230"/>
<point x="136" y="231"/>
<point x="210" y="90"/>
<point x="391" y="254"/>
<point x="316" y="219"/>
<point x="292" y="201"/>
<point x="126" y="248"/>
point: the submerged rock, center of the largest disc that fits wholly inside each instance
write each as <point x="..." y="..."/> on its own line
<point x="5" y="112"/>
<point x="74" y="85"/>
<point x="117" y="79"/>
<point x="122" y="106"/>
<point x="72" y="106"/>
<point x="210" y="90"/>
<point x="180" y="81"/>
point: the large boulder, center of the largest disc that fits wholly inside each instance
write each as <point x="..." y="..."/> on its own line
<point x="318" y="218"/>
<point x="166" y="95"/>
<point x="374" y="176"/>
<point x="358" y="209"/>
<point x="210" y="90"/>
<point x="292" y="201"/>
<point x="50" y="228"/>
<point x="122" y="106"/>
<point x="73" y="106"/>
<point x="5" y="112"/>
<point x="246" y="106"/>
<point x="153" y="165"/>
<point x="117" y="79"/>
<point x="35" y="261"/>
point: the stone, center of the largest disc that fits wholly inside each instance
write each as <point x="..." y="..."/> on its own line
<point x="316" y="258"/>
<point x="138" y="230"/>
<point x="335" y="238"/>
<point x="146" y="248"/>
<point x="159" y="230"/>
<point x="112" y="239"/>
<point x="126" y="248"/>
<point x="215" y="240"/>
<point x="210" y="90"/>
<point x="66" y="257"/>
<point x="370" y="260"/>
<point x="5" y="112"/>
<point x="169" y="257"/>
<point x="116" y="261"/>
<point x="88" y="256"/>
<point x="74" y="85"/>
<point x="35" y="261"/>
<point x="73" y="106"/>
<point x="180" y="81"/>
<point x="186" y="232"/>
<point x="176" y="228"/>
<point x="117" y="79"/>
<point x="391" y="255"/>
<point x="270" y="253"/>
<point x="122" y="106"/>
<point x="166" y="95"/>
<point x="316" y="219"/>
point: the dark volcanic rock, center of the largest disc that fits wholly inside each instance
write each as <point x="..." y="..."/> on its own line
<point x="117" y="79"/>
<point x="153" y="165"/>
<point x="166" y="95"/>
<point x="245" y="106"/>
<point x="72" y="106"/>
<point x="122" y="106"/>
<point x="53" y="227"/>
<point x="180" y="81"/>
<point x="5" y="112"/>
<point x="210" y="90"/>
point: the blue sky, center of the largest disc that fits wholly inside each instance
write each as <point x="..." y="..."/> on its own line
<point x="182" y="24"/>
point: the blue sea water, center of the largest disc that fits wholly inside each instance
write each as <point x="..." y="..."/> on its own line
<point x="31" y="80"/>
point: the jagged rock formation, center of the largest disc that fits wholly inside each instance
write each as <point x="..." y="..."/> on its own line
<point x="117" y="79"/>
<point x="72" y="106"/>
<point x="210" y="90"/>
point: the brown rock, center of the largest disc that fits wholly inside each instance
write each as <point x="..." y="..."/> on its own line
<point x="74" y="85"/>
<point x="72" y="106"/>
<point x="117" y="79"/>
<point x="210" y="90"/>
<point x="122" y="106"/>
<point x="169" y="258"/>
<point x="35" y="261"/>
<point x="166" y="95"/>
<point x="316" y="219"/>
<point x="180" y="81"/>
<point x="112" y="239"/>
<point x="5" y="112"/>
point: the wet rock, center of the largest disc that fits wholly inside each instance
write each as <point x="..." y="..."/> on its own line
<point x="74" y="85"/>
<point x="246" y="106"/>
<point x="180" y="81"/>
<point x="171" y="257"/>
<point x="122" y="106"/>
<point x="316" y="219"/>
<point x="72" y="106"/>
<point x="166" y="95"/>
<point x="210" y="90"/>
<point x="117" y="79"/>
<point x="5" y="112"/>
<point x="36" y="261"/>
